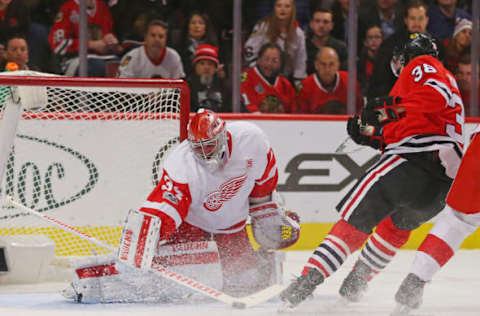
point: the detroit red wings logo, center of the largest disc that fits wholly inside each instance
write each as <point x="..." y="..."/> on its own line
<point x="227" y="191"/>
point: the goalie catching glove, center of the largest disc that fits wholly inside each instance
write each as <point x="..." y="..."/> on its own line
<point x="365" y="134"/>
<point x="272" y="227"/>
<point x="380" y="111"/>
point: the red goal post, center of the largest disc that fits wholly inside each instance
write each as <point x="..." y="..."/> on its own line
<point x="83" y="150"/>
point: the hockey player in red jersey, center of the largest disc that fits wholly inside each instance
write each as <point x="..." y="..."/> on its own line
<point x="419" y="127"/>
<point x="194" y="221"/>
<point x="461" y="217"/>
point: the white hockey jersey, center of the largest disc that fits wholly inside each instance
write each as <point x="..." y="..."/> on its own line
<point x="216" y="202"/>
<point x="296" y="50"/>
<point x="136" y="64"/>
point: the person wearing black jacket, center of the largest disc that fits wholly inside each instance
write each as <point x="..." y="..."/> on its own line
<point x="207" y="81"/>
<point x="383" y="77"/>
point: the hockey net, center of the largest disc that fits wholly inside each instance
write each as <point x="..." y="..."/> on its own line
<point x="85" y="151"/>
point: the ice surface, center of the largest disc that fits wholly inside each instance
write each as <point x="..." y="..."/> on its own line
<point x="453" y="292"/>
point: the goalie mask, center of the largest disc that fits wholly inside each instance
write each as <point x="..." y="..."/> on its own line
<point x="208" y="139"/>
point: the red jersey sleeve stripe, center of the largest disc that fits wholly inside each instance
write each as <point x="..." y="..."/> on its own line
<point x="270" y="169"/>
<point x="268" y="181"/>
<point x="159" y="208"/>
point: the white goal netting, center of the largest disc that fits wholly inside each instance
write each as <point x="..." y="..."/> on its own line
<point x="85" y="152"/>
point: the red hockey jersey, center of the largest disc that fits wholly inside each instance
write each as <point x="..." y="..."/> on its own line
<point x="434" y="112"/>
<point x="63" y="37"/>
<point x="464" y="194"/>
<point x="258" y="95"/>
<point x="313" y="96"/>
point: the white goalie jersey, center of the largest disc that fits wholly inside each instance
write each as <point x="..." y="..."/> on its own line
<point x="216" y="202"/>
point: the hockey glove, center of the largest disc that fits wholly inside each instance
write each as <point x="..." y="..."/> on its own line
<point x="380" y="111"/>
<point x="365" y="134"/>
<point x="272" y="227"/>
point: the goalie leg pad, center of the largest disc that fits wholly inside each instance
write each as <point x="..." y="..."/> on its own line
<point x="139" y="240"/>
<point x="101" y="279"/>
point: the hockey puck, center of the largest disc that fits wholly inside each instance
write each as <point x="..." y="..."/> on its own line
<point x="239" y="305"/>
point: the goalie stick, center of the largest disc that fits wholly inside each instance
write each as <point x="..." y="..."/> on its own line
<point x="236" y="302"/>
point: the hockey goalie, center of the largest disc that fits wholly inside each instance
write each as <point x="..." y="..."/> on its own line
<point x="194" y="222"/>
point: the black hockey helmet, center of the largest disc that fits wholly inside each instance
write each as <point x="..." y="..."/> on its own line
<point x="418" y="44"/>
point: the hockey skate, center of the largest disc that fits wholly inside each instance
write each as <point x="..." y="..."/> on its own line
<point x="355" y="285"/>
<point x="300" y="289"/>
<point x="409" y="295"/>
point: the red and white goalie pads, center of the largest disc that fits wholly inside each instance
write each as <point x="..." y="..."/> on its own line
<point x="140" y="238"/>
<point x="272" y="227"/>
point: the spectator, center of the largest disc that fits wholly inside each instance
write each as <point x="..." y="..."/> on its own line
<point x="153" y="59"/>
<point x="207" y="85"/>
<point x="368" y="53"/>
<point x="340" y="19"/>
<point x="16" y="52"/>
<point x="321" y="25"/>
<point x="464" y="76"/>
<point x="198" y="30"/>
<point x="131" y="21"/>
<point x="325" y="92"/>
<point x="64" y="37"/>
<point x="442" y="18"/>
<point x="383" y="76"/>
<point x="459" y="45"/>
<point x="385" y="13"/>
<point x="263" y="89"/>
<point x="43" y="11"/>
<point x="14" y="19"/>
<point x="261" y="8"/>
<point x="281" y="28"/>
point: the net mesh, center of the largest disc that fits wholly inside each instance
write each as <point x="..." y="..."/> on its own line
<point x="85" y="156"/>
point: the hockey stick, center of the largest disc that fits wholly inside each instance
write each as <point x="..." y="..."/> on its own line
<point x="345" y="147"/>
<point x="240" y="302"/>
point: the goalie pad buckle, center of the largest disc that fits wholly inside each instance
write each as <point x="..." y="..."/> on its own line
<point x="139" y="239"/>
<point x="274" y="228"/>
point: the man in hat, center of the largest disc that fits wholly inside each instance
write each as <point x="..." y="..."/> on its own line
<point x="207" y="81"/>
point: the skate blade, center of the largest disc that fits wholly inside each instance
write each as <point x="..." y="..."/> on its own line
<point x="401" y="310"/>
<point x="285" y="308"/>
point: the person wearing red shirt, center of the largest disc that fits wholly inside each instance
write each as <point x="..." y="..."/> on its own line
<point x="326" y="90"/>
<point x="64" y="36"/>
<point x="263" y="89"/>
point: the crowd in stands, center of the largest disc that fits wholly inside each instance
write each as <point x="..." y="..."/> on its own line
<point x="294" y="51"/>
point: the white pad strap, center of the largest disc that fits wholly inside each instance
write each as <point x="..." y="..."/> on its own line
<point x="139" y="240"/>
